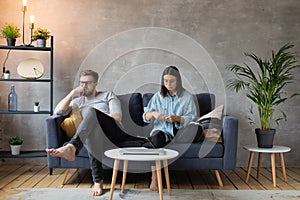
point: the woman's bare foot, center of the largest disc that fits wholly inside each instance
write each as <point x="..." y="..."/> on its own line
<point x="153" y="184"/>
<point x="67" y="152"/>
<point x="97" y="189"/>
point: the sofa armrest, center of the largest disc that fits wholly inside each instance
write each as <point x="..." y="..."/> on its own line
<point x="55" y="137"/>
<point x="230" y="139"/>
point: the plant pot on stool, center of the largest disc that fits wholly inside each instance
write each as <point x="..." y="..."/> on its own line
<point x="265" y="138"/>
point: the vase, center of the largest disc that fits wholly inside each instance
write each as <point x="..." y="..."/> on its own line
<point x="265" y="138"/>
<point x="11" y="41"/>
<point x="15" y="149"/>
<point x="41" y="43"/>
<point x="36" y="108"/>
<point x="6" y="75"/>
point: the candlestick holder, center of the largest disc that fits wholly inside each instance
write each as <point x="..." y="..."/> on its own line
<point x="24" y="8"/>
<point x="31" y="27"/>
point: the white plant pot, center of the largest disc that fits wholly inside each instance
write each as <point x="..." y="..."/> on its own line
<point x="6" y="75"/>
<point x="36" y="108"/>
<point x="41" y="43"/>
<point x="15" y="149"/>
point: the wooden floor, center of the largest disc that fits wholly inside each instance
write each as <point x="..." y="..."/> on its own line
<point x="37" y="176"/>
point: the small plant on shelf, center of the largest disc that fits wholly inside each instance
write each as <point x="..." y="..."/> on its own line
<point x="36" y="107"/>
<point x="10" y="31"/>
<point x="15" y="140"/>
<point x="40" y="33"/>
<point x="6" y="74"/>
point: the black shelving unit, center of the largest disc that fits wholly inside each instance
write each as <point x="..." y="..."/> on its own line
<point x="29" y="154"/>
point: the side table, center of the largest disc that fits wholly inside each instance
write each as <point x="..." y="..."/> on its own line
<point x="272" y="151"/>
<point x="117" y="156"/>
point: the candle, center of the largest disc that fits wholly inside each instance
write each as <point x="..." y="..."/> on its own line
<point x="31" y="19"/>
<point x="31" y="22"/>
<point x="24" y="5"/>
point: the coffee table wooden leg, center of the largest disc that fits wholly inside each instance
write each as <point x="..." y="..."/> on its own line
<point x="114" y="178"/>
<point x="273" y="168"/>
<point x="258" y="164"/>
<point x="283" y="166"/>
<point x="124" y="175"/>
<point x="166" y="170"/>
<point x="159" y="179"/>
<point x="249" y="166"/>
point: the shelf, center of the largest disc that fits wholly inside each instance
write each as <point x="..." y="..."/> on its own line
<point x="26" y="48"/>
<point x="24" y="112"/>
<point x="23" y="154"/>
<point x="25" y="80"/>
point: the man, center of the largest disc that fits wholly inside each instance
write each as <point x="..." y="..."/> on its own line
<point x="91" y="103"/>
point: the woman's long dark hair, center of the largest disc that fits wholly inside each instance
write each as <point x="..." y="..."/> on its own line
<point x="171" y="70"/>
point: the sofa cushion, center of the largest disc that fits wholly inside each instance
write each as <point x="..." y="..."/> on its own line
<point x="211" y="124"/>
<point x="71" y="123"/>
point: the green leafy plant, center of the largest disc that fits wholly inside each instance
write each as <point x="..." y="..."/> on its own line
<point x="15" y="140"/>
<point x="265" y="85"/>
<point x="36" y="103"/>
<point x="40" y="33"/>
<point x="10" y="31"/>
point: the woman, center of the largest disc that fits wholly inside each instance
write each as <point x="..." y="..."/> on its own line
<point x="170" y="109"/>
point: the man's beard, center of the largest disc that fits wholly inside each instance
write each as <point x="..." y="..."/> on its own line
<point x="87" y="93"/>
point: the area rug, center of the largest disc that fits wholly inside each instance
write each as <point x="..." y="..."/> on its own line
<point x="145" y="194"/>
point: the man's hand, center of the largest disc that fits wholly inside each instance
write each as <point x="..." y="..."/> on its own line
<point x="77" y="91"/>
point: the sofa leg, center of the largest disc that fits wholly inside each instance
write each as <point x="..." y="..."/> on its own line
<point x="219" y="178"/>
<point x="65" y="176"/>
<point x="50" y="171"/>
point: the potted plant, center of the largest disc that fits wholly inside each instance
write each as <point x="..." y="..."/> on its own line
<point x="10" y="32"/>
<point x="15" y="144"/>
<point x="36" y="107"/>
<point x="7" y="74"/>
<point x="264" y="85"/>
<point x="40" y="35"/>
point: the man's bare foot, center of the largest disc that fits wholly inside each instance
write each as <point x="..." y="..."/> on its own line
<point x="97" y="189"/>
<point x="67" y="152"/>
<point x="154" y="184"/>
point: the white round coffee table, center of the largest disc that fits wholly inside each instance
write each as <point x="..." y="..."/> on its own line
<point x="141" y="154"/>
<point x="271" y="151"/>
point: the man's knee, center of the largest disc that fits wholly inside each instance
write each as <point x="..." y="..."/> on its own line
<point x="87" y="111"/>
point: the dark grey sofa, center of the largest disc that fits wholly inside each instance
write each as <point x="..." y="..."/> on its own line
<point x="195" y="156"/>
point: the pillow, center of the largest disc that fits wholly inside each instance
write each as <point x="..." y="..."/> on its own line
<point x="71" y="123"/>
<point x="211" y="124"/>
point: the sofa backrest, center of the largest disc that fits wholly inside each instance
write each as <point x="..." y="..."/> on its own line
<point x="133" y="107"/>
<point x="206" y="103"/>
<point x="132" y="111"/>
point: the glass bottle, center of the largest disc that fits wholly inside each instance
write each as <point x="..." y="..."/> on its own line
<point x="12" y="99"/>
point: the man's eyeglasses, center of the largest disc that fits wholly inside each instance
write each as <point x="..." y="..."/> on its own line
<point x="86" y="82"/>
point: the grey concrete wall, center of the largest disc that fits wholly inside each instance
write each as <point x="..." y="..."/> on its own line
<point x="115" y="38"/>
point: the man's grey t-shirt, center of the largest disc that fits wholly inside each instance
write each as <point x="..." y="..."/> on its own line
<point x="106" y="102"/>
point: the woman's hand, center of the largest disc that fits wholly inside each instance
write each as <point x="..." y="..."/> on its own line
<point x="156" y="115"/>
<point x="174" y="118"/>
